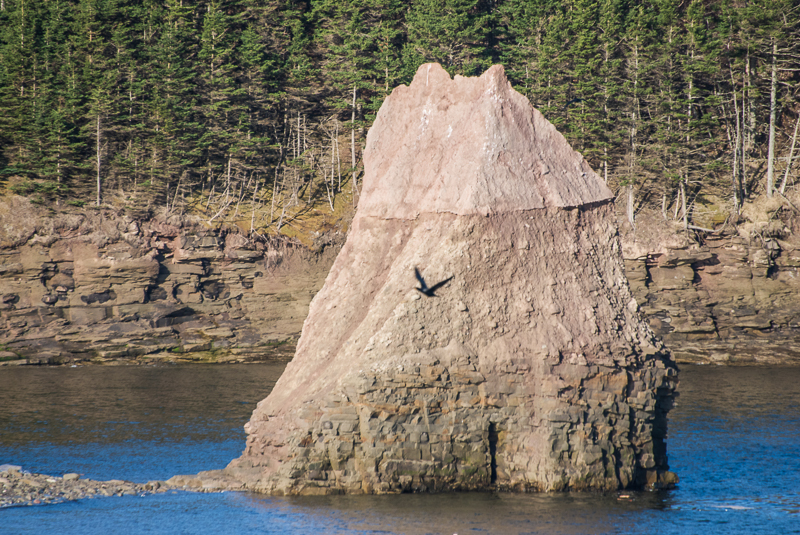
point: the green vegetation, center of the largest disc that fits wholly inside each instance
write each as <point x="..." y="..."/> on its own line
<point x="5" y="349"/>
<point x="256" y="112"/>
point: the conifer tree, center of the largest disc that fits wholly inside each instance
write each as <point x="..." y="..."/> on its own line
<point x="220" y="97"/>
<point x="458" y="34"/>
<point x="360" y="43"/>
<point x="666" y="100"/>
<point x="21" y="92"/>
<point x="522" y="33"/>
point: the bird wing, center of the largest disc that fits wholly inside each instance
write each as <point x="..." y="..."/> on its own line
<point x="440" y="284"/>
<point x="420" y="279"/>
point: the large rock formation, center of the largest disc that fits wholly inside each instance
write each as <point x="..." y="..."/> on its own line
<point x="530" y="370"/>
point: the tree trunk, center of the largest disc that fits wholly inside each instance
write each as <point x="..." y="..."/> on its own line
<point x="338" y="158"/>
<point x="738" y="197"/>
<point x="253" y="213"/>
<point x="630" y="208"/>
<point x="98" y="160"/>
<point x="282" y="153"/>
<point x="353" y="141"/>
<point x="683" y="205"/>
<point x="772" y="109"/>
<point x="731" y="143"/>
<point x="791" y="156"/>
<point x="745" y="146"/>
<point x="228" y="175"/>
<point x="331" y="198"/>
<point x="605" y="113"/>
<point x="632" y="133"/>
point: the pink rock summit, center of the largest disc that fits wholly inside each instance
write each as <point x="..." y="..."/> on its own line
<point x="530" y="370"/>
<point x="469" y="146"/>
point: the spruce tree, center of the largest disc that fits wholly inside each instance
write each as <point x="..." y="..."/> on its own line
<point x="20" y="95"/>
<point x="458" y="34"/>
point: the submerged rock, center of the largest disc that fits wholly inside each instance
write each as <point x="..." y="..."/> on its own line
<point x="530" y="370"/>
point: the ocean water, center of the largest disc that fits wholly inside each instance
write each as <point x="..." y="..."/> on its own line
<point x="734" y="440"/>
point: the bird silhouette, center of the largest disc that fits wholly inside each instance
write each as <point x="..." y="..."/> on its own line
<point x="423" y="288"/>
<point x="573" y="101"/>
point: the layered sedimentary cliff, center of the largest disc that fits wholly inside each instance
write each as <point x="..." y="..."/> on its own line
<point x="530" y="368"/>
<point x="96" y="286"/>
<point x="728" y="297"/>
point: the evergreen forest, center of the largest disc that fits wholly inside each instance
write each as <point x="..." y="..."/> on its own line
<point x="258" y="110"/>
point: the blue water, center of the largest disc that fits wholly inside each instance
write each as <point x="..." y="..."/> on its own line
<point x="135" y="423"/>
<point x="734" y="441"/>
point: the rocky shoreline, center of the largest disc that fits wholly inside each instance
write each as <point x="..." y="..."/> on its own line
<point x="19" y="488"/>
<point x="727" y="297"/>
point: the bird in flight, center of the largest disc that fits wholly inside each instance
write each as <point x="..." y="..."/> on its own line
<point x="423" y="288"/>
<point x="573" y="101"/>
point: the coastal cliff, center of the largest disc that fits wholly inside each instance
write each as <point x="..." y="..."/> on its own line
<point x="731" y="296"/>
<point x="100" y="287"/>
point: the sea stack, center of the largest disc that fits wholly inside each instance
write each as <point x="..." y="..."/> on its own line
<point x="531" y="369"/>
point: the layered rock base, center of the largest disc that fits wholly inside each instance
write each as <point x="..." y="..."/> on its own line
<point x="485" y="386"/>
<point x="729" y="297"/>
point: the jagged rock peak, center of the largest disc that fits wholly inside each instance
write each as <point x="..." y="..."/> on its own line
<point x="469" y="145"/>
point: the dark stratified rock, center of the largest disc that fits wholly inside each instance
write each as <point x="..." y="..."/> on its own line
<point x="530" y="370"/>
<point x="100" y="287"/>
<point x="731" y="300"/>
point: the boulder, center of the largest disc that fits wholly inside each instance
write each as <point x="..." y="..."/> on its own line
<point x="477" y="330"/>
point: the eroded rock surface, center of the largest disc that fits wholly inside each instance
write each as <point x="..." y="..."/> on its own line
<point x="729" y="298"/>
<point x="102" y="287"/>
<point x="530" y="370"/>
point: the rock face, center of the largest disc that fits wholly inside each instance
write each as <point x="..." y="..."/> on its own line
<point x="530" y="369"/>
<point x="731" y="299"/>
<point x="468" y="148"/>
<point x="99" y="287"/>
